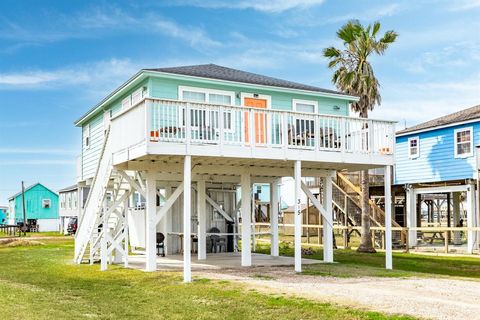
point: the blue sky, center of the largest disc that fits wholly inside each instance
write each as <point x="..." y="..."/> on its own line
<point x="58" y="58"/>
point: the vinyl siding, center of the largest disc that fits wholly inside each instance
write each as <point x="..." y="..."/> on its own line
<point x="168" y="89"/>
<point x="436" y="161"/>
<point x="91" y="154"/>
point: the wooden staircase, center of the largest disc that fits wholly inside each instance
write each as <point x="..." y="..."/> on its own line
<point x="347" y="206"/>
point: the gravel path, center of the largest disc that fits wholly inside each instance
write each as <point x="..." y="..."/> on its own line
<point x="432" y="298"/>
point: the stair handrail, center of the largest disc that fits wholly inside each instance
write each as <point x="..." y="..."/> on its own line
<point x="370" y="201"/>
<point x="95" y="177"/>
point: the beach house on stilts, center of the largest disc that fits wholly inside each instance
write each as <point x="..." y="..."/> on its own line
<point x="175" y="151"/>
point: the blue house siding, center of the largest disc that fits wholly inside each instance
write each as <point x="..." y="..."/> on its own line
<point x="436" y="161"/>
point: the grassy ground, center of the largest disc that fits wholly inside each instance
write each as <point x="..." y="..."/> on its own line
<point x="353" y="264"/>
<point x="36" y="234"/>
<point x="40" y="282"/>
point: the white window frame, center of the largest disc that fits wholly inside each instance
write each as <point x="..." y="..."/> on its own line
<point x="207" y="92"/>
<point x="86" y="139"/>
<point x="300" y="101"/>
<point x="455" y="143"/>
<point x="44" y="203"/>
<point x="410" y="155"/>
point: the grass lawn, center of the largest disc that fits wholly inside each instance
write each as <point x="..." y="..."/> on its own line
<point x="40" y="282"/>
<point x="353" y="264"/>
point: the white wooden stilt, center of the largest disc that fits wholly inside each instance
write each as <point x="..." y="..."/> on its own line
<point x="327" y="220"/>
<point x="470" y="206"/>
<point x="274" y="207"/>
<point x="187" y="222"/>
<point x="126" y="230"/>
<point x="202" y="220"/>
<point x="103" y="244"/>
<point x="298" y="216"/>
<point x="246" y="220"/>
<point x="168" y="222"/>
<point x="150" y="222"/>
<point x="388" y="217"/>
<point x="411" y="203"/>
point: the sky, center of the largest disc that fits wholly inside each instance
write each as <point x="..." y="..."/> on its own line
<point x="59" y="58"/>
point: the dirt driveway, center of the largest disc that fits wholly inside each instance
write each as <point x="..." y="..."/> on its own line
<point x="427" y="298"/>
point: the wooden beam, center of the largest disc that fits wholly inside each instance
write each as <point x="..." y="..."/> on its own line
<point x="170" y="201"/>
<point x="216" y="206"/>
<point x="316" y="203"/>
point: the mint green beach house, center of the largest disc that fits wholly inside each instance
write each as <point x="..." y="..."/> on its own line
<point x="165" y="154"/>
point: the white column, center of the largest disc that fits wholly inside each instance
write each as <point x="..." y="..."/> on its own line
<point x="328" y="220"/>
<point x="126" y="231"/>
<point x="103" y="244"/>
<point x="150" y="222"/>
<point x="202" y="220"/>
<point x="246" y="219"/>
<point x="167" y="225"/>
<point x="298" y="215"/>
<point x="411" y="203"/>
<point x="457" y="239"/>
<point x="187" y="219"/>
<point x="470" y="206"/>
<point x="274" y="205"/>
<point x="388" y="217"/>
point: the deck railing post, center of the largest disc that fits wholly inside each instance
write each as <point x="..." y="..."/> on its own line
<point x="188" y="127"/>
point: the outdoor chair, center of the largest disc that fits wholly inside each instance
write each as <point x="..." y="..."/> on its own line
<point x="217" y="243"/>
<point x="160" y="244"/>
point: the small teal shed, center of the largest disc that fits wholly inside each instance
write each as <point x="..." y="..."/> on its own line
<point x="41" y="206"/>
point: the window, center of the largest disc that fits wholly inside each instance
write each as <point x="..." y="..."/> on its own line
<point x="62" y="201"/>
<point x="413" y="147"/>
<point x="202" y="118"/>
<point x="86" y="136"/>
<point x="304" y="125"/>
<point x="194" y="96"/>
<point x="46" y="203"/>
<point x="306" y="106"/>
<point x="463" y="142"/>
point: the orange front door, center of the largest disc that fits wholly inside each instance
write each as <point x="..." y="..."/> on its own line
<point x="260" y="120"/>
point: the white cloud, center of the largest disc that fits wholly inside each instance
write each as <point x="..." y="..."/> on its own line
<point x="195" y="37"/>
<point x="460" y="5"/>
<point x="51" y="151"/>
<point x="413" y="103"/>
<point x="267" y="6"/>
<point x="34" y="162"/>
<point x="369" y="14"/>
<point x="89" y="74"/>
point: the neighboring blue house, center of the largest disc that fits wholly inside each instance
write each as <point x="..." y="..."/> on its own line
<point x="438" y="158"/>
<point x="41" y="208"/>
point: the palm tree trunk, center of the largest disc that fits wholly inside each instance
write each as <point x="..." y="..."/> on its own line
<point x="366" y="244"/>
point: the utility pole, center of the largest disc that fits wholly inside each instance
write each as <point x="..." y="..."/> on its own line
<point x="24" y="227"/>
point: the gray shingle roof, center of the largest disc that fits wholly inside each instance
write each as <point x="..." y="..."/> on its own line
<point x="70" y="188"/>
<point x="460" y="116"/>
<point x="28" y="188"/>
<point x="213" y="71"/>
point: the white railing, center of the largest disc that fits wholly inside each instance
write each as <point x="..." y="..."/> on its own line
<point x="160" y="120"/>
<point x="199" y="123"/>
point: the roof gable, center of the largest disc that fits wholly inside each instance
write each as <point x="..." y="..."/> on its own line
<point x="469" y="114"/>
<point x="33" y="186"/>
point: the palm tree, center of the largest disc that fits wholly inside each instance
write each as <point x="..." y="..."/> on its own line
<point x="354" y="75"/>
